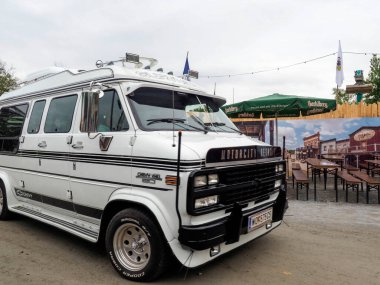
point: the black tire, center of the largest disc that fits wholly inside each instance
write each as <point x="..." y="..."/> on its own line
<point x="4" y="212"/>
<point x="135" y="245"/>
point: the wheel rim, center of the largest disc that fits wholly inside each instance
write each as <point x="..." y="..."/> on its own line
<point x="132" y="247"/>
<point x="1" y="201"/>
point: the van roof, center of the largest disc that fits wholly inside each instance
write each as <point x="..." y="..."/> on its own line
<point x="58" y="78"/>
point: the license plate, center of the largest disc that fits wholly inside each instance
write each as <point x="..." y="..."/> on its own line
<point x="259" y="219"/>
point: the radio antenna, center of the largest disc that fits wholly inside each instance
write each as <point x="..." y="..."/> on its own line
<point x="173" y="145"/>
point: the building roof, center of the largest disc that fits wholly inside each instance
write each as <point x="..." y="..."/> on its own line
<point x="309" y="137"/>
<point x="366" y="127"/>
<point x="326" y="141"/>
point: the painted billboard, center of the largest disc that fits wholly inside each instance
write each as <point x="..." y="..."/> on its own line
<point x="335" y="135"/>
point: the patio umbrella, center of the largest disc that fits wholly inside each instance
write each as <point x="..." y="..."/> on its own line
<point x="278" y="105"/>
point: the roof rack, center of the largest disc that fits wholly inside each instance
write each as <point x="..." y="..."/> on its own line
<point x="131" y="58"/>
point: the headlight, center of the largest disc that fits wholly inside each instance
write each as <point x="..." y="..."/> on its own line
<point x="206" y="201"/>
<point x="200" y="181"/>
<point x="213" y="179"/>
<point x="279" y="167"/>
<point x="277" y="183"/>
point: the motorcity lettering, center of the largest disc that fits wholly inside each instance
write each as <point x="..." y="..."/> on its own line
<point x="246" y="153"/>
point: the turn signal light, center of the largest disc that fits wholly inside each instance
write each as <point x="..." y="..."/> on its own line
<point x="171" y="180"/>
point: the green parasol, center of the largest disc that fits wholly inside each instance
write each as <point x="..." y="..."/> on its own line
<point x="278" y="105"/>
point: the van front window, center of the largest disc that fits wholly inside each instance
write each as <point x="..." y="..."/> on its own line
<point x="160" y="109"/>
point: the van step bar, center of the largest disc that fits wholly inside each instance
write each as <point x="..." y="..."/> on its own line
<point x="59" y="223"/>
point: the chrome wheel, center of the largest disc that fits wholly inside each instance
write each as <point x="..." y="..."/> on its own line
<point x="131" y="246"/>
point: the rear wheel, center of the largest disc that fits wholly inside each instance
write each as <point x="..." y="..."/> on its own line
<point x="136" y="246"/>
<point x="4" y="212"/>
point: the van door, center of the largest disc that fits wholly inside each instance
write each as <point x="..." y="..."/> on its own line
<point x="12" y="119"/>
<point x="46" y="152"/>
<point x="100" y="162"/>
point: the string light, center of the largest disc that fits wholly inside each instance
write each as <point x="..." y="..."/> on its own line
<point x="286" y="66"/>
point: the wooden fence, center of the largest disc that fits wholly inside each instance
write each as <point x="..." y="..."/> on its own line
<point x="342" y="111"/>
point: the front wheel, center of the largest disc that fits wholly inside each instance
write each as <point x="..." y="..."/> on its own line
<point x="4" y="212"/>
<point x="136" y="246"/>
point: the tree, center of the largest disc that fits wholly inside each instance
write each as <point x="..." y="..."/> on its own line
<point x="374" y="79"/>
<point x="7" y="80"/>
<point x="342" y="97"/>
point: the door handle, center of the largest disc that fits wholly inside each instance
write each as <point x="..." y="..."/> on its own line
<point x="42" y="144"/>
<point x="78" y="145"/>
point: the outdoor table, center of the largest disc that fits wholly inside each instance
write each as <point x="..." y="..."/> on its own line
<point x="322" y="164"/>
<point x="372" y="163"/>
<point x="335" y="158"/>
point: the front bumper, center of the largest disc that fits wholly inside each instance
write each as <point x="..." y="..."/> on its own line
<point x="229" y="229"/>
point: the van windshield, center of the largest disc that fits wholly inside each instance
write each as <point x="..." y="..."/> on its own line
<point x="160" y="109"/>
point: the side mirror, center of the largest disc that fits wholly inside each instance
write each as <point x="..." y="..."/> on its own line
<point x="90" y="110"/>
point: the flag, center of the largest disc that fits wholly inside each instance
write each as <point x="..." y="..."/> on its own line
<point x="186" y="69"/>
<point x="339" y="68"/>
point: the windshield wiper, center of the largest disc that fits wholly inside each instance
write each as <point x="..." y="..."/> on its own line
<point x="175" y="121"/>
<point x="165" y="120"/>
<point x="200" y="122"/>
<point x="220" y="124"/>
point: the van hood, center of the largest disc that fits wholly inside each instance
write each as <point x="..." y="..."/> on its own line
<point x="195" y="146"/>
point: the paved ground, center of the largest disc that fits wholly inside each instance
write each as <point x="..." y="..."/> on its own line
<point x="321" y="243"/>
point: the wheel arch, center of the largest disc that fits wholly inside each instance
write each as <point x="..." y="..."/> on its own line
<point x="5" y="181"/>
<point x="120" y="202"/>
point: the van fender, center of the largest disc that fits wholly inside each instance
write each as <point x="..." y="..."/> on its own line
<point x="11" y="200"/>
<point x="166" y="221"/>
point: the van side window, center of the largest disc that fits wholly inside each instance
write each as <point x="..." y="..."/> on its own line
<point x="11" y="123"/>
<point x="60" y="114"/>
<point x="111" y="117"/>
<point x="36" y="116"/>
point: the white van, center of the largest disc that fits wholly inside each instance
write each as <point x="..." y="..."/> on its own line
<point x="143" y="160"/>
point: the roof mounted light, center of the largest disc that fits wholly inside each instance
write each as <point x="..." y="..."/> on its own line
<point x="193" y="74"/>
<point x="130" y="57"/>
<point x="99" y="63"/>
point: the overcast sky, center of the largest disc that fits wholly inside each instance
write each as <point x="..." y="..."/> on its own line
<point x="222" y="37"/>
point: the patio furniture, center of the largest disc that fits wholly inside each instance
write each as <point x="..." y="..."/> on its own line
<point x="350" y="182"/>
<point x="295" y="166"/>
<point x="338" y="159"/>
<point x="350" y="167"/>
<point x="372" y="166"/>
<point x="318" y="165"/>
<point x="372" y="183"/>
<point x="301" y="180"/>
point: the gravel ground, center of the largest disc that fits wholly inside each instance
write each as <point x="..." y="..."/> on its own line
<point x="319" y="243"/>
